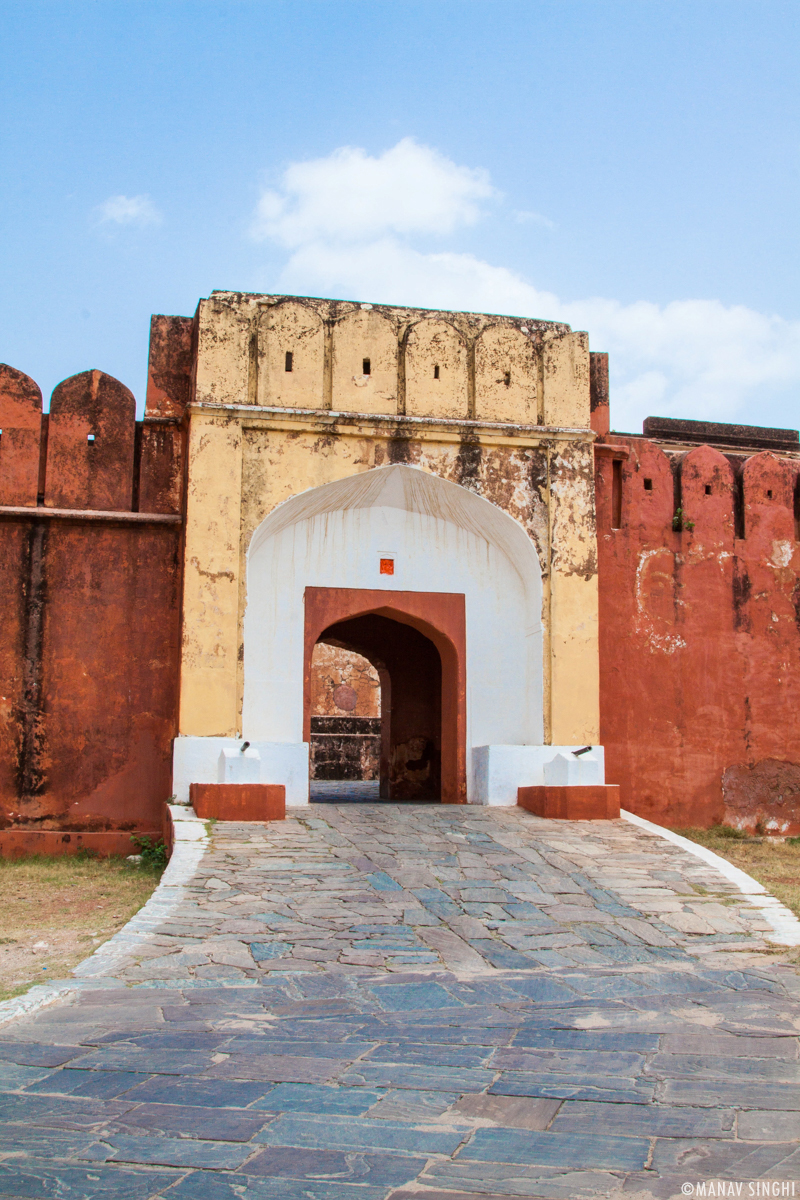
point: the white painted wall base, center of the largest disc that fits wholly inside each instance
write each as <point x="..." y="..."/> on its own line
<point x="238" y="766"/>
<point x="197" y="759"/>
<point x="569" y="770"/>
<point x="497" y="771"/>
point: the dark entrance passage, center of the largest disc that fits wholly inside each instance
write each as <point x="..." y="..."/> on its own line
<point x="416" y="643"/>
<point x="410" y="673"/>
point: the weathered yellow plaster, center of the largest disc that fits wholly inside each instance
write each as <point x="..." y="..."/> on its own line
<point x="436" y="375"/>
<point x="565" y="379"/>
<point x="291" y="329"/>
<point x="211" y="577"/>
<point x="260" y="433"/>
<point x="364" y="363"/>
<point x="506" y="376"/>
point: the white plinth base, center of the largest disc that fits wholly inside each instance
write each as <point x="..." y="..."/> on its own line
<point x="238" y="766"/>
<point x="497" y="771"/>
<point x="197" y="760"/>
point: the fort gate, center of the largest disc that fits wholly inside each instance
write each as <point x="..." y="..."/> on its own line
<point x="372" y="532"/>
<point x="417" y="487"/>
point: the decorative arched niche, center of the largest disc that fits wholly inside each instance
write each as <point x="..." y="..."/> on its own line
<point x="364" y="363"/>
<point x="291" y="346"/>
<point x="436" y="371"/>
<point x="439" y="538"/>
<point x="505" y="376"/>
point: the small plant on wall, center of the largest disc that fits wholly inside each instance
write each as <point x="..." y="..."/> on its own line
<point x="680" y="521"/>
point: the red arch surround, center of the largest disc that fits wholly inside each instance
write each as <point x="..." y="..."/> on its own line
<point x="441" y="617"/>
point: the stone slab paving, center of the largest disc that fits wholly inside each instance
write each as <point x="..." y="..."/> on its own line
<point x="394" y="1001"/>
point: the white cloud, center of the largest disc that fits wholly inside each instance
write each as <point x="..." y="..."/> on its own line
<point x="346" y="220"/>
<point x="128" y="210"/>
<point x="693" y="358"/>
<point x="389" y="271"/>
<point x="350" y="196"/>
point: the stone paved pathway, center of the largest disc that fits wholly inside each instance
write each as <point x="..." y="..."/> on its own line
<point x="381" y="1001"/>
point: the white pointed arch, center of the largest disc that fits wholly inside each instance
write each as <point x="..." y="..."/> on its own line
<point x="442" y="538"/>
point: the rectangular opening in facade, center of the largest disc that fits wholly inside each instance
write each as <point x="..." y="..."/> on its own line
<point x="616" y="494"/>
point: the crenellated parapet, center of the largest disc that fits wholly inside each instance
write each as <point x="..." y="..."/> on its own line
<point x="91" y="514"/>
<point x="20" y="437"/>
<point x="89" y="453"/>
<point x="723" y="494"/>
<point x="699" y="567"/>
<point x="637" y="592"/>
<point x="288" y="352"/>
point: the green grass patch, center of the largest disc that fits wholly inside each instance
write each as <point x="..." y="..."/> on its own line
<point x="773" y="863"/>
<point x="58" y="910"/>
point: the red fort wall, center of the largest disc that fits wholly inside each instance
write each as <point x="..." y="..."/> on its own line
<point x="700" y="633"/>
<point x="699" y="625"/>
<point x="90" y="539"/>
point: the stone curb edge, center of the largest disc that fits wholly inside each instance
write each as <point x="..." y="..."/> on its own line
<point x="785" y="924"/>
<point x="188" y="849"/>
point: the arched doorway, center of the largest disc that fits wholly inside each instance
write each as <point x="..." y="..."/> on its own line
<point x="417" y="641"/>
<point x="460" y="571"/>
<point x="409" y="669"/>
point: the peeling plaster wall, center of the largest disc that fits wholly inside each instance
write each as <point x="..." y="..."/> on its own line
<point x="700" y="636"/>
<point x="90" y="533"/>
<point x="276" y="460"/>
<point x="493" y="368"/>
<point x="700" y="628"/>
<point x="96" y="575"/>
<point x="498" y="405"/>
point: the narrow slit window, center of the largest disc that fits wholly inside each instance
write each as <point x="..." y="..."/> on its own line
<point x="289" y="364"/>
<point x="616" y="494"/>
<point x="366" y="367"/>
<point x="436" y="372"/>
<point x="708" y="489"/>
<point x="769" y="493"/>
<point x="507" y="379"/>
<point x="648" y="485"/>
<point x="90" y="439"/>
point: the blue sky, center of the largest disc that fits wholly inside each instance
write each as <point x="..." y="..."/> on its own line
<point x="629" y="167"/>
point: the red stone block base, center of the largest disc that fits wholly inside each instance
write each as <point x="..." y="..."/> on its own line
<point x="597" y="802"/>
<point x="239" y="801"/>
<point x="21" y="843"/>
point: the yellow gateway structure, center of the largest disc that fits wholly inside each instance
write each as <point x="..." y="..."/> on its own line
<point x="413" y="486"/>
